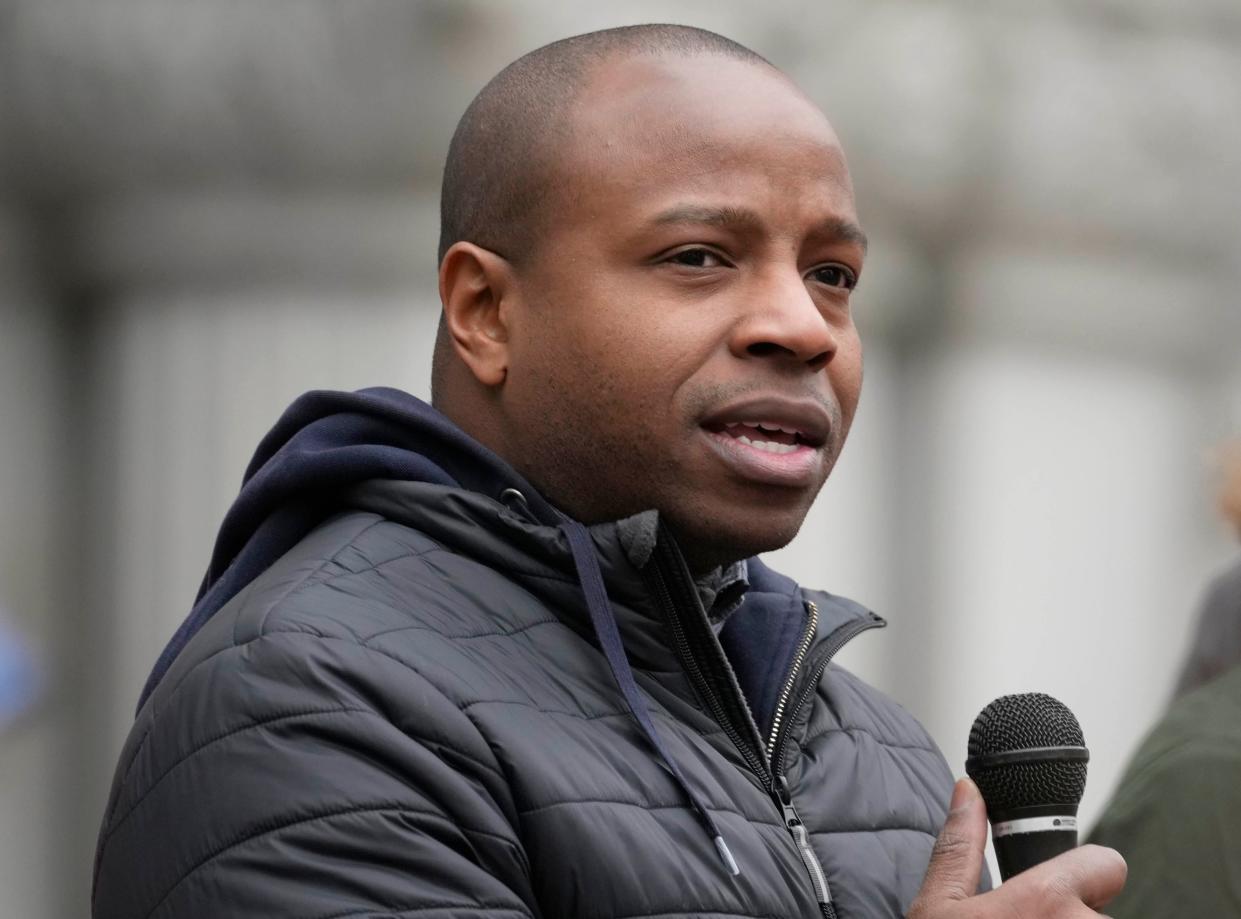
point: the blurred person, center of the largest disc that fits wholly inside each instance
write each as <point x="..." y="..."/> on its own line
<point x="1176" y="813"/>
<point x="1216" y="644"/>
<point x="513" y="654"/>
<point x="19" y="679"/>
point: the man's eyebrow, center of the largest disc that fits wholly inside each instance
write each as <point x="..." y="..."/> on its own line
<point x="837" y="228"/>
<point x="714" y="216"/>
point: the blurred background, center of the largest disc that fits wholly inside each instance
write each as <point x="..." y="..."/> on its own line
<point x="208" y="208"/>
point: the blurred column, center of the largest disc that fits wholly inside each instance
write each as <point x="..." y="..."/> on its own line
<point x="36" y="573"/>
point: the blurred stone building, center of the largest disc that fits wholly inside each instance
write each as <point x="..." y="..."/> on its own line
<point x="207" y="208"/>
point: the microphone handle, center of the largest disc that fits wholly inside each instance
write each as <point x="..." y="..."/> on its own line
<point x="1018" y="851"/>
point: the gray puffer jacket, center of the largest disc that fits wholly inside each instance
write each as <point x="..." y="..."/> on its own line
<point x="411" y="714"/>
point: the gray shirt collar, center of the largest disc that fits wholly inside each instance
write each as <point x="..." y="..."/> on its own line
<point x="721" y="590"/>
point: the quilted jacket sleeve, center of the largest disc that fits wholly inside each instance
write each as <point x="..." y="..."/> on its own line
<point x="301" y="775"/>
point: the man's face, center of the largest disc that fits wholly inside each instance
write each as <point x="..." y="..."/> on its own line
<point x="682" y="337"/>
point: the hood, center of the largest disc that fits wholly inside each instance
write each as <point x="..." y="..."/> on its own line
<point x="324" y="443"/>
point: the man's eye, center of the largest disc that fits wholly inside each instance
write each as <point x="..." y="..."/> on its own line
<point x="835" y="276"/>
<point x="696" y="258"/>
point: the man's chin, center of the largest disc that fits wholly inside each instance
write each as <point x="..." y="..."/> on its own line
<point x="709" y="543"/>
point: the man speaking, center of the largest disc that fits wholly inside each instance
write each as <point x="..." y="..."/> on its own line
<point x="513" y="654"/>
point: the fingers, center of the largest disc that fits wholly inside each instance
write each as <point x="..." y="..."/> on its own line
<point x="1093" y="875"/>
<point x="1083" y="879"/>
<point x="956" y="860"/>
<point x="1105" y="875"/>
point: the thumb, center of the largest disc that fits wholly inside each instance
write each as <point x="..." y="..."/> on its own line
<point x="956" y="860"/>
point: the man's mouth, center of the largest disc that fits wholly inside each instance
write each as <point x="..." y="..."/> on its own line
<point x="771" y="440"/>
<point x="765" y="435"/>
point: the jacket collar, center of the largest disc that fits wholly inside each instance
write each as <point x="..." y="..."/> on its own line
<point x="501" y="534"/>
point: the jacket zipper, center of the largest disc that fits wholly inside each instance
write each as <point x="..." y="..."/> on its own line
<point x="777" y="744"/>
<point x="831" y="645"/>
<point x="801" y="838"/>
<point x="770" y="771"/>
<point x="806" y="640"/>
<point x="753" y="758"/>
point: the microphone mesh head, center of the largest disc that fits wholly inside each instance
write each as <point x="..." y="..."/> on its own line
<point x="1022" y="722"/>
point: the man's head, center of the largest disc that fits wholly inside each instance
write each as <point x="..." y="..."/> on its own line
<point x="648" y="244"/>
<point x="1230" y="486"/>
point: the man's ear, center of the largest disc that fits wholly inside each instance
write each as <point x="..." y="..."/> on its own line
<point x="473" y="285"/>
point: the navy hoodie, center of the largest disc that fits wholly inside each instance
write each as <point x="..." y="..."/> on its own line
<point x="323" y="443"/>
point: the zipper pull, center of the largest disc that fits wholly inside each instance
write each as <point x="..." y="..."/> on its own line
<point x="801" y="838"/>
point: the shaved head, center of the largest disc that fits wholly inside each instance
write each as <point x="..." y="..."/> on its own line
<point x="500" y="176"/>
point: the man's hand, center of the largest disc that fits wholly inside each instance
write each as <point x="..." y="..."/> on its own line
<point x="1074" y="884"/>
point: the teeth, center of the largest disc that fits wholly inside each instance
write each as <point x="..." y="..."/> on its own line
<point x="764" y="425"/>
<point x="767" y="445"/>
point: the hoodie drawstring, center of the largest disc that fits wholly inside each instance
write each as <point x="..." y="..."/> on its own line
<point x="604" y="623"/>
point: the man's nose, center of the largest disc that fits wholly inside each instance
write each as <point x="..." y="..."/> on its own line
<point x="783" y="321"/>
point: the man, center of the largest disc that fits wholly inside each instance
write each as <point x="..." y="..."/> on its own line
<point x="1216" y="644"/>
<point x="1174" y="812"/>
<point x="513" y="655"/>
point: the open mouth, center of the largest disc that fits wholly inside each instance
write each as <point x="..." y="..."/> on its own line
<point x="772" y="440"/>
<point x="764" y="435"/>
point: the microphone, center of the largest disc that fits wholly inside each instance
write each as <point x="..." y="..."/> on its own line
<point x="1028" y="757"/>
